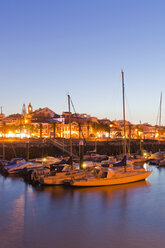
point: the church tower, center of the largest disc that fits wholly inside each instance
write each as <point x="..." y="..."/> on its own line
<point x="30" y="109"/>
<point x="24" y="111"/>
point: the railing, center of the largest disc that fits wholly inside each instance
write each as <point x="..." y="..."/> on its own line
<point x="61" y="146"/>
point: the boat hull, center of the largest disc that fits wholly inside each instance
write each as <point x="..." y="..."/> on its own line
<point x="112" y="181"/>
<point x="61" y="178"/>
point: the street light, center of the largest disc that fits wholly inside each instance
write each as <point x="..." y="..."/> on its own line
<point x="110" y="130"/>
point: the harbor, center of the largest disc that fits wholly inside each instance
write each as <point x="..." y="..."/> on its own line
<point x="82" y="124"/>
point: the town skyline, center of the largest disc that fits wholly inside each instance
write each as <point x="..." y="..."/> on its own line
<point x="78" y="113"/>
<point x="45" y="123"/>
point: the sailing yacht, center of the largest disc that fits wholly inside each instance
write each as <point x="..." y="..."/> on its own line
<point x="112" y="176"/>
<point x="68" y="175"/>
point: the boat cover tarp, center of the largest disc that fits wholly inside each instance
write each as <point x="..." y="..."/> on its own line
<point x="120" y="163"/>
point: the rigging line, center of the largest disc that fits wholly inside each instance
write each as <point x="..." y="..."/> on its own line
<point x="158" y="114"/>
<point x="13" y="150"/>
<point x="160" y="109"/>
<point x="129" y="109"/>
<point x="65" y="102"/>
<point x="157" y="117"/>
<point x="157" y="120"/>
<point x="78" y="121"/>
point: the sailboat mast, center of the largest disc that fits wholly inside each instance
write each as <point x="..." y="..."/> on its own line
<point x="70" y="128"/>
<point x="124" y="148"/>
<point x="3" y="133"/>
<point x="160" y="114"/>
<point x="3" y="136"/>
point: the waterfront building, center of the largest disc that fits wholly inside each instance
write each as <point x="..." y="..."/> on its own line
<point x="13" y="119"/>
<point x="45" y="123"/>
<point x="80" y="125"/>
<point x="2" y="116"/>
<point x="42" y="122"/>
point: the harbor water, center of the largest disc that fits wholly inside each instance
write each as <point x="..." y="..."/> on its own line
<point x="131" y="215"/>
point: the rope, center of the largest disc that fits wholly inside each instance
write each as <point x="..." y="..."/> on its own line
<point x="78" y="121"/>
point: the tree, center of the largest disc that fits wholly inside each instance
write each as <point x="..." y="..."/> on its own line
<point x="98" y="126"/>
<point x="41" y="127"/>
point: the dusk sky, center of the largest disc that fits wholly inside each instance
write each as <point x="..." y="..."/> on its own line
<point x="49" y="48"/>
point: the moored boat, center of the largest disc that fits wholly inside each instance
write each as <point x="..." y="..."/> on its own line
<point x="13" y="163"/>
<point x="161" y="163"/>
<point x="156" y="156"/>
<point x="62" y="177"/>
<point x="110" y="177"/>
<point x="107" y="176"/>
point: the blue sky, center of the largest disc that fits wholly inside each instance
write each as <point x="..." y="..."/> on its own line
<point x="51" y="47"/>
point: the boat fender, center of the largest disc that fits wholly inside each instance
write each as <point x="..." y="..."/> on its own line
<point x="72" y="180"/>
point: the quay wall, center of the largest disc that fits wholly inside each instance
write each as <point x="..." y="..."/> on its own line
<point x="41" y="148"/>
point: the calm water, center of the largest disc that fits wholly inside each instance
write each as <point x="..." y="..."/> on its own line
<point x="127" y="216"/>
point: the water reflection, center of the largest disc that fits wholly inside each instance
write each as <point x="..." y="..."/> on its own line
<point x="106" y="195"/>
<point x="13" y="223"/>
<point x="60" y="190"/>
<point x="59" y="216"/>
